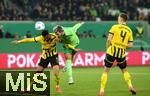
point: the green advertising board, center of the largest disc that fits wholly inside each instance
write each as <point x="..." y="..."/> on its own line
<point x="97" y="28"/>
<point x="86" y="44"/>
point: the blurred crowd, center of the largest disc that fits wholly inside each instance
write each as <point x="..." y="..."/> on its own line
<point x="8" y="34"/>
<point x="72" y="10"/>
<point x="66" y="10"/>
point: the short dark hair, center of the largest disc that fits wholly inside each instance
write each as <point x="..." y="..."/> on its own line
<point x="45" y="32"/>
<point x="124" y="16"/>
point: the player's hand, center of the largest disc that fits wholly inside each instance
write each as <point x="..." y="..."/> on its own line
<point x="82" y="22"/>
<point x="15" y="42"/>
<point x="77" y="49"/>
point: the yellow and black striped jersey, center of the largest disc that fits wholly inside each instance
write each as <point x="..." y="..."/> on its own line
<point x="122" y="34"/>
<point x="47" y="49"/>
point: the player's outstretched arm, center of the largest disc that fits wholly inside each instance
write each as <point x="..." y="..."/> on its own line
<point x="78" y="25"/>
<point x="23" y="40"/>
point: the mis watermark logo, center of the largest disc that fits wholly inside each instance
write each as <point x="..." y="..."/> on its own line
<point x="25" y="82"/>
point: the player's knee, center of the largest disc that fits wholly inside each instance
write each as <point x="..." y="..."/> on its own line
<point x="40" y="68"/>
<point x="106" y="70"/>
<point x="56" y="69"/>
<point x="56" y="73"/>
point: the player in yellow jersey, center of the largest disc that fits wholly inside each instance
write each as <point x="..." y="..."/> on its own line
<point x="119" y="39"/>
<point x="49" y="53"/>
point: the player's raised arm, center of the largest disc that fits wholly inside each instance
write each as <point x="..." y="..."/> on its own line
<point x="77" y="26"/>
<point x="24" y="40"/>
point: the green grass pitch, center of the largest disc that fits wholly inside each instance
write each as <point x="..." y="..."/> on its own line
<point x="87" y="82"/>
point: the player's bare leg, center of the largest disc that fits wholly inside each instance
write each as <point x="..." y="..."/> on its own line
<point x="40" y="68"/>
<point x="57" y="78"/>
<point x="103" y="81"/>
<point x="128" y="80"/>
<point x="69" y="68"/>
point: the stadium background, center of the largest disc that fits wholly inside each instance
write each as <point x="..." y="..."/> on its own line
<point x="19" y="16"/>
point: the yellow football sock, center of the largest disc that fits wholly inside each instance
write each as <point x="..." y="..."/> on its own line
<point x="103" y="81"/>
<point x="127" y="78"/>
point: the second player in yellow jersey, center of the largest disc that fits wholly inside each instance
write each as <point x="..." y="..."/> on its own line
<point x="122" y="34"/>
<point x="119" y="39"/>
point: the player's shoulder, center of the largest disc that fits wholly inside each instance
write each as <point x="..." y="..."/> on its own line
<point x="115" y="25"/>
<point x="128" y="28"/>
<point x="65" y="28"/>
<point x="38" y="38"/>
<point x="53" y="34"/>
<point x="68" y="30"/>
<point x="124" y="26"/>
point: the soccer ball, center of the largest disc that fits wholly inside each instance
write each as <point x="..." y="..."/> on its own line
<point x="39" y="25"/>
